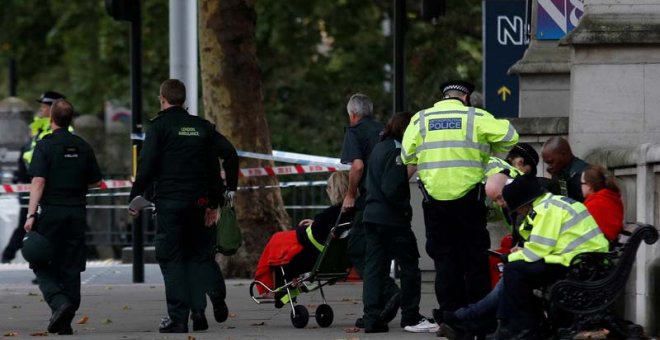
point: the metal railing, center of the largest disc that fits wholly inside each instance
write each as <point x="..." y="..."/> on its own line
<point x="109" y="224"/>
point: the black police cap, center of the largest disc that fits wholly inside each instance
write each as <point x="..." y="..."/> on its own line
<point x="527" y="152"/>
<point x="523" y="190"/>
<point x="49" y="97"/>
<point x="457" y="85"/>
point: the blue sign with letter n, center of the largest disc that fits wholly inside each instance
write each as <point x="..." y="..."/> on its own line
<point x="445" y="124"/>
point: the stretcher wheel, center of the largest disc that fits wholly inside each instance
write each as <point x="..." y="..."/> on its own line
<point x="301" y="318"/>
<point x="324" y="315"/>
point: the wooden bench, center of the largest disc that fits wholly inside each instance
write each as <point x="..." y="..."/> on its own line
<point x="594" y="282"/>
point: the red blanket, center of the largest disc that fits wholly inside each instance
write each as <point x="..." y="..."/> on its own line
<point x="279" y="250"/>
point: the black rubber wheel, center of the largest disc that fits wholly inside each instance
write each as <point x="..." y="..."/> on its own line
<point x="324" y="315"/>
<point x="302" y="317"/>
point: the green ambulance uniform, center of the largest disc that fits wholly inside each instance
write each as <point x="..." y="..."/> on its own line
<point x="556" y="230"/>
<point x="359" y="141"/>
<point x="387" y="217"/>
<point x="68" y="165"/>
<point x="179" y="158"/>
<point x="570" y="179"/>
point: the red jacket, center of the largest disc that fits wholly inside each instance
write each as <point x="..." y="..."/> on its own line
<point x="606" y="207"/>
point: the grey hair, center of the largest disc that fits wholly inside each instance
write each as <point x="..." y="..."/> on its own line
<point x="360" y="105"/>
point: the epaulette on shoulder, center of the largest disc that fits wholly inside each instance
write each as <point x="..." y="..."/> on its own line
<point x="48" y="136"/>
<point x="155" y="118"/>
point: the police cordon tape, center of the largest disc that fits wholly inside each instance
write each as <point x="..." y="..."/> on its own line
<point x="306" y="164"/>
<point x="249" y="172"/>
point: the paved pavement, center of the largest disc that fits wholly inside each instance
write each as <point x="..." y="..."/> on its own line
<point x="117" y="309"/>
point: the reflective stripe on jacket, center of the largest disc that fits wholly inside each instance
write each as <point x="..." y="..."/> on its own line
<point x="40" y="127"/>
<point x="450" y="144"/>
<point x="557" y="229"/>
<point x="496" y="165"/>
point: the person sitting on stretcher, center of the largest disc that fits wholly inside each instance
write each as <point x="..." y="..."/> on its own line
<point x="297" y="250"/>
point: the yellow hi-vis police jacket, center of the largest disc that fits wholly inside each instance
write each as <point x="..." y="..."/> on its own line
<point x="450" y="144"/>
<point x="496" y="165"/>
<point x="39" y="128"/>
<point x="557" y="229"/>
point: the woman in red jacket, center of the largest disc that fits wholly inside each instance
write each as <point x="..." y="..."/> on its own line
<point x="603" y="200"/>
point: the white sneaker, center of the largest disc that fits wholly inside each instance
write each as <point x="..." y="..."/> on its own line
<point x="424" y="326"/>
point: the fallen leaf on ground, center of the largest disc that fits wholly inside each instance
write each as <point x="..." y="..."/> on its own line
<point x="15" y="307"/>
<point x="228" y="327"/>
<point x="152" y="287"/>
<point x="190" y="337"/>
<point x="232" y="315"/>
<point x="39" y="334"/>
<point x="10" y="334"/>
<point x="239" y="284"/>
<point x="83" y="320"/>
<point x="351" y="330"/>
<point x="106" y="321"/>
<point x="108" y="287"/>
<point x="259" y="323"/>
<point x="32" y="294"/>
<point x="125" y="307"/>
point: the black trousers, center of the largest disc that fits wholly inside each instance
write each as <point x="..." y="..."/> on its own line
<point x="184" y="250"/>
<point x="16" y="241"/>
<point x="64" y="227"/>
<point x="357" y="250"/>
<point x="385" y="242"/>
<point x="518" y="308"/>
<point x="457" y="240"/>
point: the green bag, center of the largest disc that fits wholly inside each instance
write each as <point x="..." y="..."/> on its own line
<point x="228" y="236"/>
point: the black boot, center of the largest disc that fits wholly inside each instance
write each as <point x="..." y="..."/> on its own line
<point x="61" y="318"/>
<point x="199" y="321"/>
<point x="220" y="310"/>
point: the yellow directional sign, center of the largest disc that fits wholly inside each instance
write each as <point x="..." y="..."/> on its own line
<point x="503" y="92"/>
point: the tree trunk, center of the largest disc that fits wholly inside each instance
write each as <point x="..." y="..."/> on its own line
<point x="231" y="83"/>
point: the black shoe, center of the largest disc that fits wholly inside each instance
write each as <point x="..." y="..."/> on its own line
<point x="220" y="310"/>
<point x="61" y="318"/>
<point x="169" y="326"/>
<point x="454" y="333"/>
<point x="359" y="323"/>
<point x="66" y="330"/>
<point x="377" y="328"/>
<point x="199" y="322"/>
<point x="391" y="308"/>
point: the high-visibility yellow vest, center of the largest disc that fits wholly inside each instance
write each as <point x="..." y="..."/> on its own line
<point x="40" y="127"/>
<point x="496" y="165"/>
<point x="557" y="229"/>
<point x="450" y="144"/>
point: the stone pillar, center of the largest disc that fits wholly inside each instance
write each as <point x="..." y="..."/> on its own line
<point x="614" y="103"/>
<point x="544" y="76"/>
<point x="615" y="75"/>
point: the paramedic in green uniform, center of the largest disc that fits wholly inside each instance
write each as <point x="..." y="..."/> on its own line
<point x="179" y="157"/>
